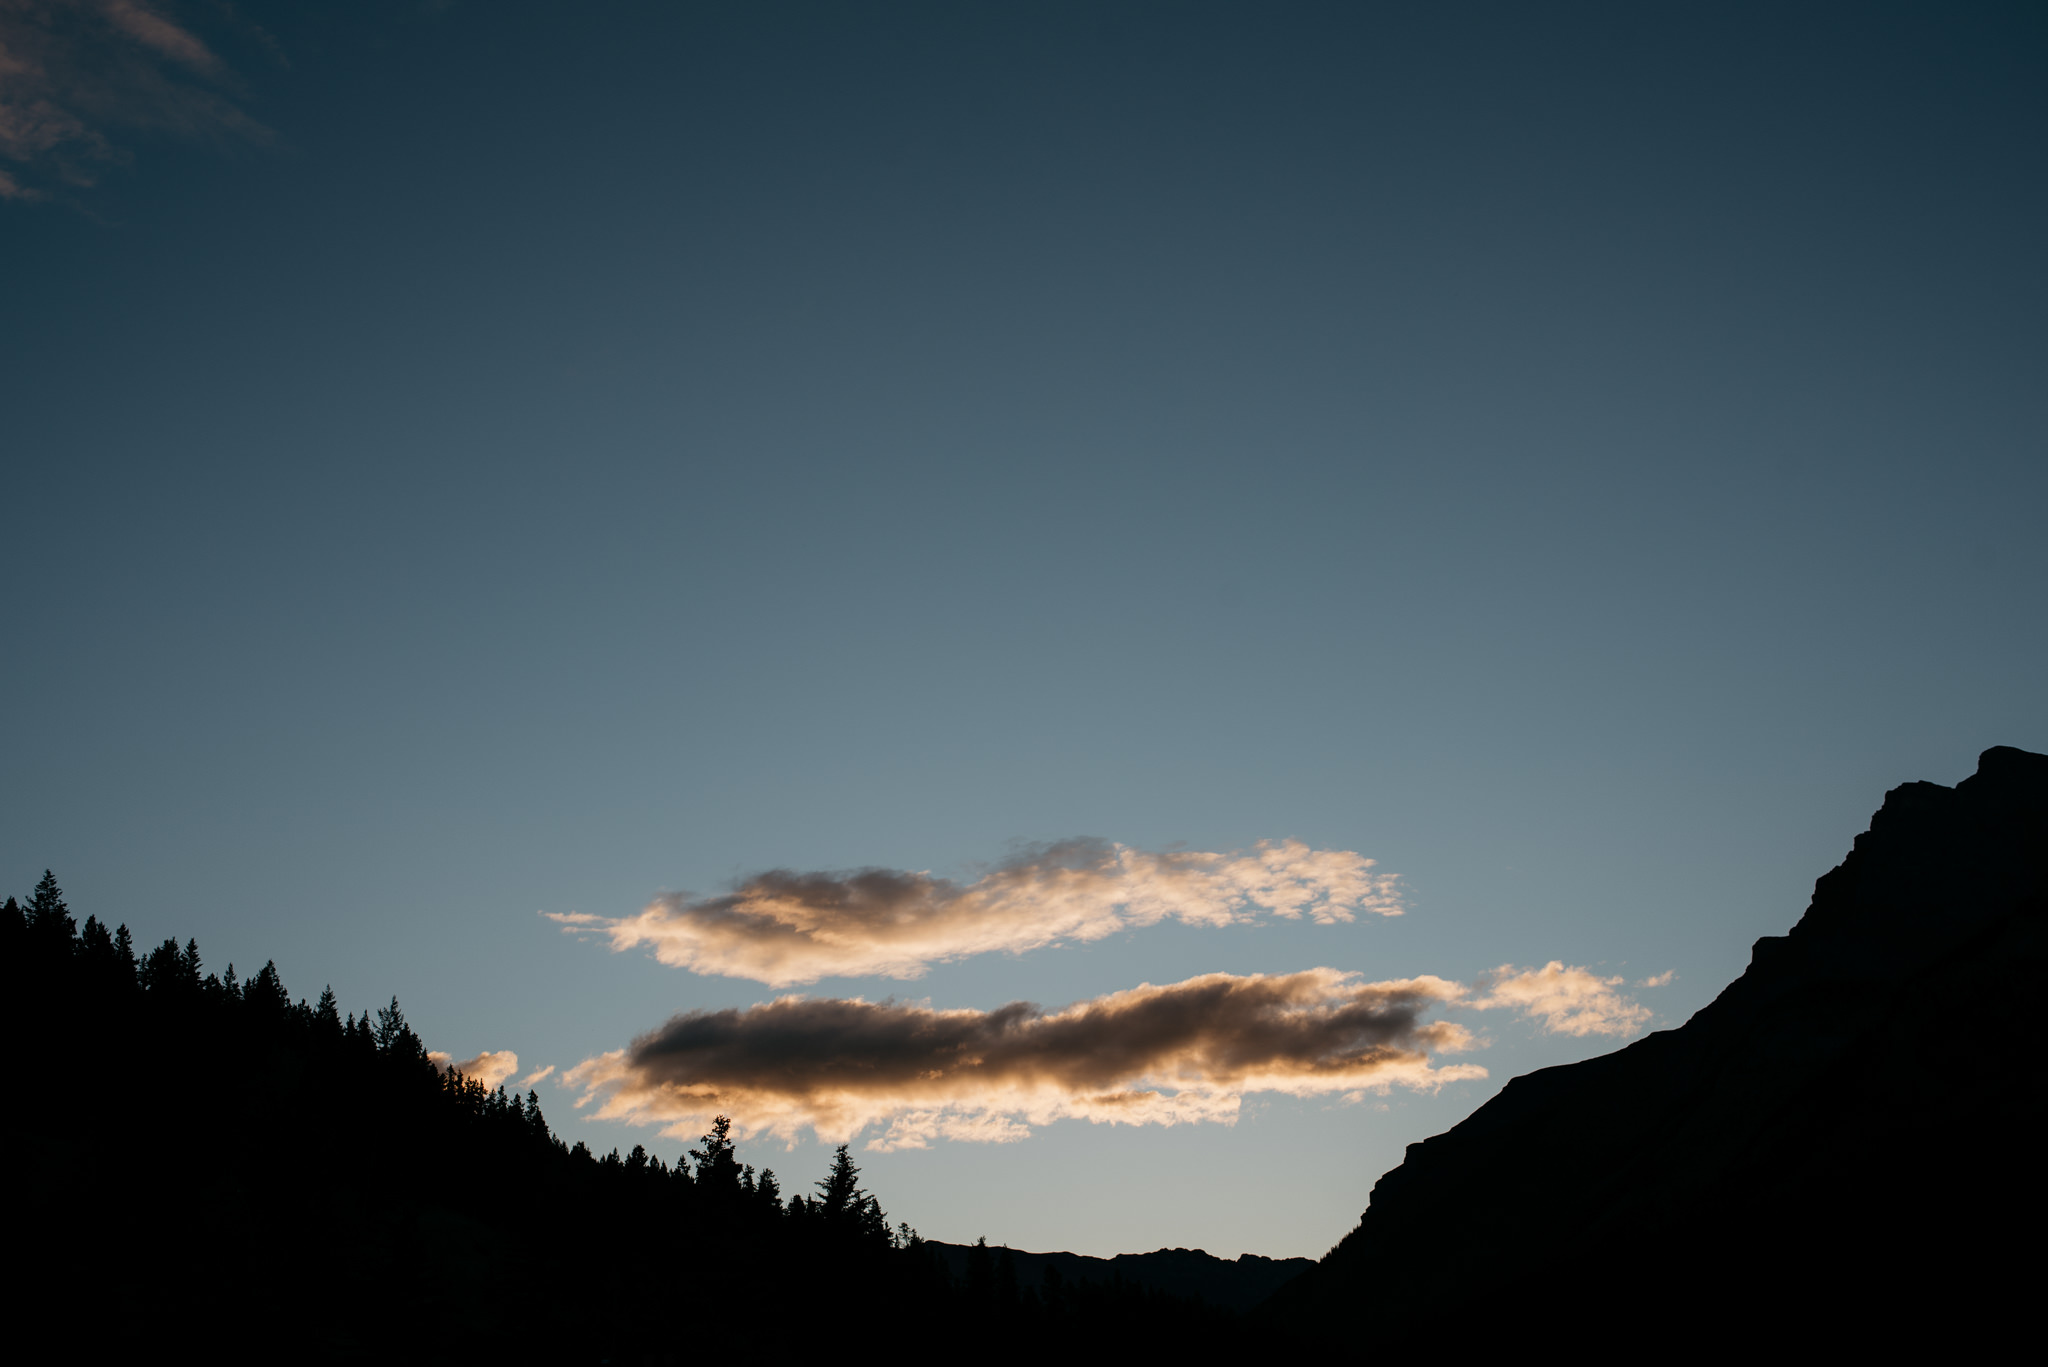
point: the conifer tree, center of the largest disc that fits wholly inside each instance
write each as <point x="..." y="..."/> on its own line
<point x="170" y="971"/>
<point x="327" y="1015"/>
<point x="534" y="1121"/>
<point x="101" y="956"/>
<point x="95" y="945"/>
<point x="391" y="1026"/>
<point x="840" y="1193"/>
<point x="265" y="992"/>
<point x="49" y="919"/>
<point x="13" y="935"/>
<point x="718" y="1171"/>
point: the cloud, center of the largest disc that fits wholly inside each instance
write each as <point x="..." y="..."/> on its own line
<point x="1179" y="1054"/>
<point x="783" y="928"/>
<point x="73" y="73"/>
<point x="143" y="24"/>
<point x="538" y="1076"/>
<point x="491" y="1067"/>
<point x="1662" y="979"/>
<point x="1564" y="1001"/>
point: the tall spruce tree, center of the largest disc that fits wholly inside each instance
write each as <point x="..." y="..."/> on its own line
<point x="840" y="1194"/>
<point x="327" y="1015"/>
<point x="49" y="919"/>
<point x="718" y="1170"/>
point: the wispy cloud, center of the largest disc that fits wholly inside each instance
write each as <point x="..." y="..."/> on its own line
<point x="1565" y="1001"/>
<point x="1186" y="1052"/>
<point x="783" y="927"/>
<point x="1662" y="979"/>
<point x="491" y="1067"/>
<point x="77" y="74"/>
<point x="537" y="1076"/>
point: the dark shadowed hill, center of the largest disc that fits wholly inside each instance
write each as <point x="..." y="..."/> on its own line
<point x="1844" y="1146"/>
<point x="199" y="1165"/>
<point x="1230" y="1284"/>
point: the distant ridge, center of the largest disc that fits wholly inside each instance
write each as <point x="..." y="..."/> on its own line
<point x="1846" y="1145"/>
<point x="1231" y="1284"/>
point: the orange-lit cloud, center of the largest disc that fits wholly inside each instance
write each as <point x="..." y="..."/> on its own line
<point x="783" y="927"/>
<point x="537" y="1076"/>
<point x="491" y="1067"/>
<point x="1183" y="1053"/>
<point x="75" y="73"/>
<point x="1564" y="1001"/>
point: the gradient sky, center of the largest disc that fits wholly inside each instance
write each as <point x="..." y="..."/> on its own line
<point x="466" y="462"/>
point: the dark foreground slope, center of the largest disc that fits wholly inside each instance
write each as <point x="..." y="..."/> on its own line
<point x="200" y="1167"/>
<point x="1846" y="1144"/>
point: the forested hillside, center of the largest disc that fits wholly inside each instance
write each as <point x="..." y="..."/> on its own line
<point x="206" y="1161"/>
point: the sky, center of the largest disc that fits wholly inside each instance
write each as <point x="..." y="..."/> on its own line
<point x="1127" y="607"/>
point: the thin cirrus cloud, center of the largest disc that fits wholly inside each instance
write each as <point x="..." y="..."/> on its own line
<point x="783" y="927"/>
<point x="491" y="1067"/>
<point x="77" y="74"/>
<point x="1187" y="1052"/>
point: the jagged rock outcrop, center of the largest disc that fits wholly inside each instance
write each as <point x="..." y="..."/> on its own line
<point x="1845" y="1144"/>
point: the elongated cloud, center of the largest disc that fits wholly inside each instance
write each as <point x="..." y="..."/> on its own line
<point x="1565" y="1001"/>
<point x="783" y="927"/>
<point x="491" y="1067"/>
<point x="75" y="74"/>
<point x="1182" y="1053"/>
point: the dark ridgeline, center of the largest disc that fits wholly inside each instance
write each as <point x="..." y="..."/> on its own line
<point x="201" y="1165"/>
<point x="1844" y="1147"/>
<point x="1191" y="1273"/>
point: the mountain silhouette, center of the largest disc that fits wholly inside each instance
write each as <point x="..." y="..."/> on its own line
<point x="1191" y="1273"/>
<point x="1843" y="1147"/>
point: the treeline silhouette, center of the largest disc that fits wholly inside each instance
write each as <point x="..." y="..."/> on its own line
<point x="204" y="1164"/>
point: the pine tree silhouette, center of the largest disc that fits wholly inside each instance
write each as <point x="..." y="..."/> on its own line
<point x="49" y="919"/>
<point x="718" y="1170"/>
<point x="839" y="1189"/>
<point x="327" y="1015"/>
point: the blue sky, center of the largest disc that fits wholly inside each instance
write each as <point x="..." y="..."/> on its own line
<point x="468" y="462"/>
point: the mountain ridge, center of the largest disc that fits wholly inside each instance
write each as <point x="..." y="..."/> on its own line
<point x="1781" y="1138"/>
<point x="1235" y="1284"/>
